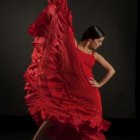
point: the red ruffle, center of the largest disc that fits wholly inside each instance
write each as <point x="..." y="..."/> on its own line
<point x="56" y="87"/>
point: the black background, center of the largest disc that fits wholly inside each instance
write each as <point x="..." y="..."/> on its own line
<point x="119" y="21"/>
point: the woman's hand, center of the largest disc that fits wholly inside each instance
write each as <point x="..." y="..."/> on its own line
<point x="94" y="83"/>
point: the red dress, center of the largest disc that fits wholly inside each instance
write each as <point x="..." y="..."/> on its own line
<point x="57" y="80"/>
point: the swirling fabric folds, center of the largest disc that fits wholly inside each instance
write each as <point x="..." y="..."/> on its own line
<point x="56" y="86"/>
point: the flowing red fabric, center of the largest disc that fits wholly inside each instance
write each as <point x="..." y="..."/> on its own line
<point x="57" y="80"/>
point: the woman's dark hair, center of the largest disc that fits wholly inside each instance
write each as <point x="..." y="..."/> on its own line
<point x="93" y="32"/>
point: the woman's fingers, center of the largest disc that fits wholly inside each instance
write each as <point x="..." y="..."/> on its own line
<point x="91" y="77"/>
<point x="93" y="82"/>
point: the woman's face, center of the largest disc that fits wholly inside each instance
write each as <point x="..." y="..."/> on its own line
<point x="96" y="43"/>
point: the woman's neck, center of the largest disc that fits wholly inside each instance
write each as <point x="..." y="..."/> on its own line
<point x="85" y="46"/>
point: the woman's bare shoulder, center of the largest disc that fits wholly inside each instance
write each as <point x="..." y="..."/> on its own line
<point x="96" y="55"/>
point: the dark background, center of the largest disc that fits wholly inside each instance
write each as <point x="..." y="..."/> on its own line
<point x="118" y="18"/>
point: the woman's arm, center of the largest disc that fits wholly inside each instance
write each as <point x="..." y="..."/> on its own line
<point x="76" y="43"/>
<point x="110" y="70"/>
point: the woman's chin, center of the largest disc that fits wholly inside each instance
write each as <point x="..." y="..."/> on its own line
<point x="97" y="47"/>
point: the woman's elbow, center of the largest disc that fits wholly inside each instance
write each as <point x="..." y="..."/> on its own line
<point x="112" y="71"/>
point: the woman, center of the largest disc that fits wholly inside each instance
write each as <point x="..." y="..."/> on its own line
<point x="91" y="40"/>
<point x="62" y="95"/>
